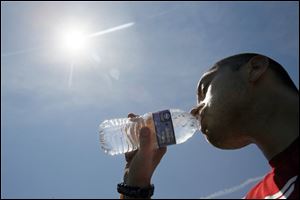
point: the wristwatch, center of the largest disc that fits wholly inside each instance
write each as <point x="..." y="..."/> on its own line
<point x="136" y="192"/>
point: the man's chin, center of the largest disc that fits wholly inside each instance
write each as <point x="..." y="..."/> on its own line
<point x="224" y="144"/>
<point x="214" y="143"/>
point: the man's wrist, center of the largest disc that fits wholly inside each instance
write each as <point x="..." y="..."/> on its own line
<point x="136" y="181"/>
<point x="134" y="191"/>
<point x="139" y="183"/>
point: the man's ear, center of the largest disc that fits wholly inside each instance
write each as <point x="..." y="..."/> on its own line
<point x="257" y="66"/>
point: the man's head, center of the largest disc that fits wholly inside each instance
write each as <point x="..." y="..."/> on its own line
<point x="236" y="97"/>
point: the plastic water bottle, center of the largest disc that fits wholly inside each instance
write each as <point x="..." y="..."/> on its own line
<point x="172" y="126"/>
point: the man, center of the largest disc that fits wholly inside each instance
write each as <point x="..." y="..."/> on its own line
<point x="242" y="99"/>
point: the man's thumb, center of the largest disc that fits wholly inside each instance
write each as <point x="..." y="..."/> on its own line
<point x="145" y="138"/>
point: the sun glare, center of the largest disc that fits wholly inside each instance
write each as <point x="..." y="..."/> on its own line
<point x="73" y="41"/>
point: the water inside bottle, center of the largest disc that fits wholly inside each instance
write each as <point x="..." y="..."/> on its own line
<point x="119" y="136"/>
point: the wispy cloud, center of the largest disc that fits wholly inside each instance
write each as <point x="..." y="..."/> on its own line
<point x="232" y="189"/>
<point x="123" y="26"/>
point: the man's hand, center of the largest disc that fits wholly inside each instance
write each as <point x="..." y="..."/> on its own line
<point x="142" y="162"/>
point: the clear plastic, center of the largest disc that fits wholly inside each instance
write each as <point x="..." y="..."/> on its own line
<point x="118" y="136"/>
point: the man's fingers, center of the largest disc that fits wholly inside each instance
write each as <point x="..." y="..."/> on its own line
<point x="131" y="115"/>
<point x="145" y="138"/>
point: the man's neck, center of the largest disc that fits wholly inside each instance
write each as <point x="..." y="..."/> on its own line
<point x="280" y="130"/>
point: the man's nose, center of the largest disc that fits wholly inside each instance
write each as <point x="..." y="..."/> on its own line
<point x="195" y="110"/>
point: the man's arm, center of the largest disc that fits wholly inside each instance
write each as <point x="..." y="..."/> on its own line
<point x="142" y="163"/>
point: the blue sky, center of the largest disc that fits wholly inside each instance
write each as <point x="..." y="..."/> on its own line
<point x="49" y="140"/>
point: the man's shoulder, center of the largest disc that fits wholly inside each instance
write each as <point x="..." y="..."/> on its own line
<point x="273" y="186"/>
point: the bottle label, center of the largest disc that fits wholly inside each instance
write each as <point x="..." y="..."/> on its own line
<point x="164" y="128"/>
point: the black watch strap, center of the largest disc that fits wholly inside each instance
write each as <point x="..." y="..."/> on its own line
<point x="136" y="192"/>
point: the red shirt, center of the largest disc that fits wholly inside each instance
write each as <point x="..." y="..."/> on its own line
<point x="282" y="181"/>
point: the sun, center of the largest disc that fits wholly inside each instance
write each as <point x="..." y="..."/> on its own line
<point x="73" y="41"/>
